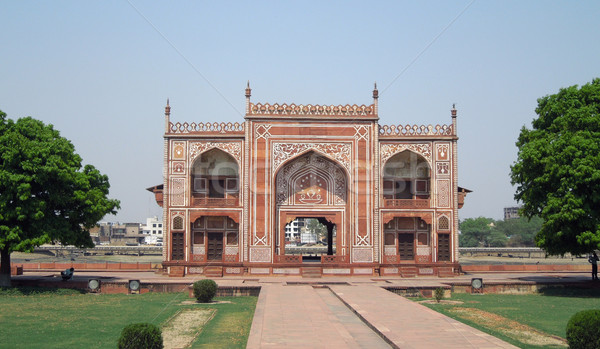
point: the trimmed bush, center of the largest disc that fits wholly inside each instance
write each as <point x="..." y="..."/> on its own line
<point x="141" y="336"/>
<point x="205" y="290"/>
<point x="583" y="330"/>
<point x="438" y="294"/>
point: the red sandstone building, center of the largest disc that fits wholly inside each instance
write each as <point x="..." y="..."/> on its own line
<point x="387" y="195"/>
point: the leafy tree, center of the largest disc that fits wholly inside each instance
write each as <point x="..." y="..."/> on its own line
<point x="521" y="231"/>
<point x="313" y="225"/>
<point x="45" y="194"/>
<point x="480" y="232"/>
<point x="557" y="171"/>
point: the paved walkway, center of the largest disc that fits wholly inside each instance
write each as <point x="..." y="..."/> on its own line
<point x="305" y="317"/>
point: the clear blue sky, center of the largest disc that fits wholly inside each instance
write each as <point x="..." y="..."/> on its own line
<point x="101" y="72"/>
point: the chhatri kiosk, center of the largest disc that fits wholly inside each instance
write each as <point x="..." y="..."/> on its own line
<point x="376" y="199"/>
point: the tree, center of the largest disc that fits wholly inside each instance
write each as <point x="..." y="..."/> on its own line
<point x="520" y="231"/>
<point x="45" y="194"/>
<point x="313" y="225"/>
<point x="480" y="232"/>
<point x="557" y="171"/>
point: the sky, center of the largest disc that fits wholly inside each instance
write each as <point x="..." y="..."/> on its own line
<point x="101" y="72"/>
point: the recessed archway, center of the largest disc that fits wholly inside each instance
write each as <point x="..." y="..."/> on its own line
<point x="312" y="187"/>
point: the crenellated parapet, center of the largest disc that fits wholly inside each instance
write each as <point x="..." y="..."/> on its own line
<point x="261" y="109"/>
<point x="201" y="127"/>
<point x="416" y="130"/>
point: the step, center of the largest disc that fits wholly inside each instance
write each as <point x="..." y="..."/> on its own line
<point x="214" y="272"/>
<point x="446" y="272"/>
<point x="312" y="272"/>
<point x="408" y="272"/>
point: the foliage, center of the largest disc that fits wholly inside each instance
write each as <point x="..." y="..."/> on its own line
<point x="438" y="294"/>
<point x="89" y="321"/>
<point x="557" y="171"/>
<point x="479" y="232"/>
<point x="140" y="336"/>
<point x="583" y="330"/>
<point x="313" y="225"/>
<point x="205" y="290"/>
<point x="486" y="232"/>
<point x="45" y="194"/>
<point x="27" y="291"/>
<point x="520" y="231"/>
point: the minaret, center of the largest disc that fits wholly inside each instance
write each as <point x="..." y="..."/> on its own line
<point x="453" y="113"/>
<point x="248" y="94"/>
<point x="167" y="116"/>
<point x="375" y="100"/>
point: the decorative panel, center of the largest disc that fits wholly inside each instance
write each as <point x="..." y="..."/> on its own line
<point x="178" y="151"/>
<point x="443" y="193"/>
<point x="443" y="151"/>
<point x="177" y="191"/>
<point x="362" y="255"/>
<point x="260" y="254"/>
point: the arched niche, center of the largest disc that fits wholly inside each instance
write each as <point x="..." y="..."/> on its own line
<point x="215" y="174"/>
<point x="311" y="179"/>
<point x="406" y="175"/>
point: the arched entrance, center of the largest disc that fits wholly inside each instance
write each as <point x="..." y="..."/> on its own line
<point x="311" y="186"/>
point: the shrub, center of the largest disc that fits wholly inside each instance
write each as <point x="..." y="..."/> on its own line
<point x="205" y="290"/>
<point x="438" y="294"/>
<point x="583" y="330"/>
<point x="141" y="336"/>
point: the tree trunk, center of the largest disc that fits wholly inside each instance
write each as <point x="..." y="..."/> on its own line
<point x="5" y="267"/>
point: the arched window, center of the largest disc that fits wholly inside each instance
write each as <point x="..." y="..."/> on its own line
<point x="406" y="175"/>
<point x="215" y="174"/>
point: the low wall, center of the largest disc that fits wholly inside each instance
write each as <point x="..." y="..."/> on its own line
<point x="104" y="266"/>
<point x="525" y="268"/>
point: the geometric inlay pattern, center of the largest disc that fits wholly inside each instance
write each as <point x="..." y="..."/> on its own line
<point x="390" y="149"/>
<point x="362" y="255"/>
<point x="341" y="152"/>
<point x="232" y="148"/>
<point x="260" y="254"/>
<point x="443" y="189"/>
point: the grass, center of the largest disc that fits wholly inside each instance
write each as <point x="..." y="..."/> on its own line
<point x="547" y="312"/>
<point x="34" y="318"/>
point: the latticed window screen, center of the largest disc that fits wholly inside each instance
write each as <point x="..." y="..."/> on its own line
<point x="178" y="223"/>
<point x="443" y="223"/>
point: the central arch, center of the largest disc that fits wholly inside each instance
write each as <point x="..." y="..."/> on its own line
<point x="312" y="186"/>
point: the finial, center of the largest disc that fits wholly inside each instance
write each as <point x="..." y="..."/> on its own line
<point x="375" y="91"/>
<point x="167" y="109"/>
<point x="248" y="89"/>
<point x="453" y="111"/>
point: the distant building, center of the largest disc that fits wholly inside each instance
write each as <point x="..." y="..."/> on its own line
<point x="293" y="231"/>
<point x="511" y="212"/>
<point x="153" y="231"/>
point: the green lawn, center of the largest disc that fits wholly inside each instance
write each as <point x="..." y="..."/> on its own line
<point x="69" y="319"/>
<point x="547" y="312"/>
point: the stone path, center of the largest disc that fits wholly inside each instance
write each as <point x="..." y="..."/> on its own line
<point x="304" y="317"/>
<point x="301" y="316"/>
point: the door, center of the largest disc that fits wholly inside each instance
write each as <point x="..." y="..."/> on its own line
<point x="215" y="247"/>
<point x="406" y="246"/>
<point x="444" y="247"/>
<point x="177" y="247"/>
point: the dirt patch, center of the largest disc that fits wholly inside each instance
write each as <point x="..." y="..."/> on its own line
<point x="213" y="302"/>
<point x="181" y="329"/>
<point x="443" y="301"/>
<point x="510" y="328"/>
